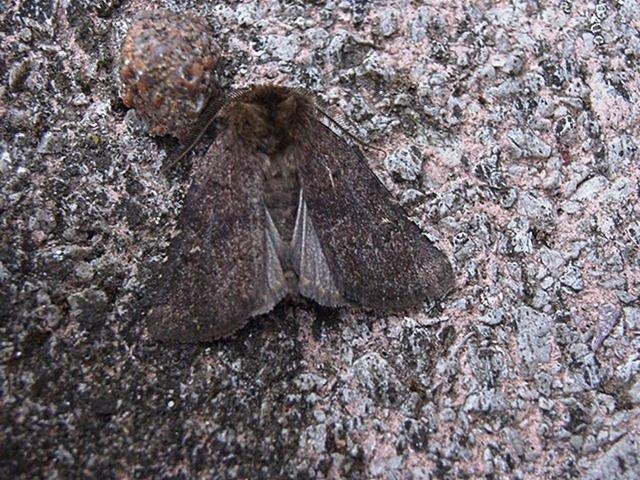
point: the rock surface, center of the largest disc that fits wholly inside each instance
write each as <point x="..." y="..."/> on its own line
<point x="522" y="120"/>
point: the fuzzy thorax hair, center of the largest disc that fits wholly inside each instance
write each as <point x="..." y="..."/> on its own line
<point x="269" y="117"/>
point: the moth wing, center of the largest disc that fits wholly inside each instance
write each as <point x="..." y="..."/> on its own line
<point x="222" y="267"/>
<point x="315" y="279"/>
<point x="199" y="129"/>
<point x="376" y="257"/>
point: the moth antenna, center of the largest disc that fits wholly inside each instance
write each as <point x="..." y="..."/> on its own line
<point x="215" y="103"/>
<point x="347" y="132"/>
<point x="305" y="92"/>
<point x="339" y="122"/>
<point x="234" y="95"/>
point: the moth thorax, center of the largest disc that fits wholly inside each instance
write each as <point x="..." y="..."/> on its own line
<point x="270" y="118"/>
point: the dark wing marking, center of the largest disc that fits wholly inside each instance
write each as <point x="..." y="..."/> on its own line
<point x="377" y="257"/>
<point x="222" y="267"/>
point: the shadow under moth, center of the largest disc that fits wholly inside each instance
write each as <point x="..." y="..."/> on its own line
<point x="281" y="205"/>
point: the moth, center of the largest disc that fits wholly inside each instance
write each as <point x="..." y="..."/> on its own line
<point x="282" y="205"/>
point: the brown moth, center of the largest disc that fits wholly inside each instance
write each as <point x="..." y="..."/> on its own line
<point x="281" y="205"/>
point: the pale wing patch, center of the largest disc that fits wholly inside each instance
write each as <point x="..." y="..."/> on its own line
<point x="315" y="279"/>
<point x="281" y="248"/>
<point x="274" y="286"/>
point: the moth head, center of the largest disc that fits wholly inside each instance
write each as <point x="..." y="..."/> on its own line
<point x="269" y="117"/>
<point x="247" y="120"/>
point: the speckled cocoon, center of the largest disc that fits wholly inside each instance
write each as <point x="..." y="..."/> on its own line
<point x="167" y="70"/>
